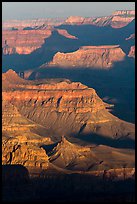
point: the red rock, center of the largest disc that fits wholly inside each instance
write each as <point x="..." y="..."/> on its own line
<point x="132" y="52"/>
<point x="89" y="56"/>
<point x="23" y="41"/>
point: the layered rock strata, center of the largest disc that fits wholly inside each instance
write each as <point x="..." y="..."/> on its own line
<point x="118" y="19"/>
<point x="63" y="107"/>
<point x="75" y="157"/>
<point x="27" y="41"/>
<point x="36" y="114"/>
<point x="89" y="56"/>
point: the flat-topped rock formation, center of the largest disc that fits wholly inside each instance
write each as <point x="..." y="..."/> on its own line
<point x="124" y="12"/>
<point x="89" y="56"/>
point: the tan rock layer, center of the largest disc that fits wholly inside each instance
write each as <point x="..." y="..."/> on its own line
<point x="26" y="154"/>
<point x="89" y="56"/>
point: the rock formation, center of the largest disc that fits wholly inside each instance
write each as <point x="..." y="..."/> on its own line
<point x="37" y="113"/>
<point x="124" y="12"/>
<point x="27" y="41"/>
<point x="89" y="56"/>
<point x="132" y="52"/>
<point x="117" y="19"/>
<point x="23" y="41"/>
<point x="24" y="153"/>
<point x="63" y="107"/>
<point x="21" y="24"/>
<point x="76" y="157"/>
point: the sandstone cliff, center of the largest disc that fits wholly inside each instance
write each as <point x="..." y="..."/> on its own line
<point x="89" y="56"/>
<point x="27" y="41"/>
<point x="118" y="19"/>
<point x="23" y="41"/>
<point x="38" y="113"/>
<point x="63" y="107"/>
<point x="24" y="153"/>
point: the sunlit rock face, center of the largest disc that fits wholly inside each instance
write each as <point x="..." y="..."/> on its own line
<point x="72" y="156"/>
<point x="38" y="113"/>
<point x="63" y="107"/>
<point x="23" y="153"/>
<point x="132" y="52"/>
<point x="89" y="56"/>
<point x="21" y="24"/>
<point x="118" y="19"/>
<point x="23" y="41"/>
<point x="27" y="41"/>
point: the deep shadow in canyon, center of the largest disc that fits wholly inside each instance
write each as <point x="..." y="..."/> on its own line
<point x="116" y="86"/>
<point x="62" y="187"/>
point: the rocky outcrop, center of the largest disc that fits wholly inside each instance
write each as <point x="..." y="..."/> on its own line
<point x="72" y="156"/>
<point x="21" y="24"/>
<point x="27" y="41"/>
<point x="118" y="19"/>
<point x="89" y="158"/>
<point x="63" y="108"/>
<point x="23" y="41"/>
<point x="89" y="56"/>
<point x="23" y="153"/>
<point x="132" y="52"/>
<point x="38" y="113"/>
<point x="124" y="12"/>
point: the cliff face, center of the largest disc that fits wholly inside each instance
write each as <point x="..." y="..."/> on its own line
<point x="121" y="18"/>
<point x="89" y="56"/>
<point x="63" y="107"/>
<point x="75" y="157"/>
<point x="21" y="24"/>
<point x="24" y="153"/>
<point x="132" y="52"/>
<point x="118" y="19"/>
<point x="23" y="41"/>
<point x="36" y="113"/>
<point x="27" y="41"/>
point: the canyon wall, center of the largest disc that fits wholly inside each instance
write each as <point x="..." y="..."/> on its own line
<point x="36" y="114"/>
<point x="27" y="41"/>
<point x="89" y="56"/>
<point x="122" y="18"/>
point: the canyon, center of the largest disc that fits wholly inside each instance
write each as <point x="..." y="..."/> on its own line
<point x="37" y="113"/>
<point x="27" y="41"/>
<point x="117" y="19"/>
<point x="68" y="108"/>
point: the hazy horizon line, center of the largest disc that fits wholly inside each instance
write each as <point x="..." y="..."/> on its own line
<point x="65" y="17"/>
